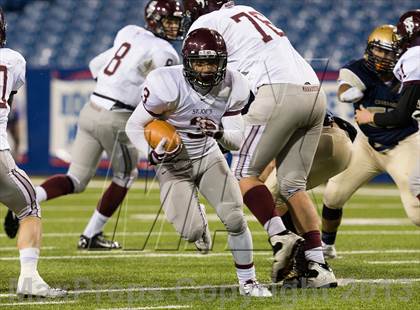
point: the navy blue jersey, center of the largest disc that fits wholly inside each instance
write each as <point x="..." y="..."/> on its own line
<point x="385" y="97"/>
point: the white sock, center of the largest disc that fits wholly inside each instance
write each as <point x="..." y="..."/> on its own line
<point x="245" y="274"/>
<point x="41" y="194"/>
<point x="96" y="224"/>
<point x="28" y="260"/>
<point x="315" y="255"/>
<point x="274" y="226"/>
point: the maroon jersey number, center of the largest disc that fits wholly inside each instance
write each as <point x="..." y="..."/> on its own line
<point x="3" y="101"/>
<point x="116" y="60"/>
<point x="256" y="19"/>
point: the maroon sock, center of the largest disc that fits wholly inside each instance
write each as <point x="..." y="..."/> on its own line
<point x="111" y="199"/>
<point x="260" y="202"/>
<point x="244" y="266"/>
<point x="418" y="196"/>
<point x="312" y="240"/>
<point x="58" y="185"/>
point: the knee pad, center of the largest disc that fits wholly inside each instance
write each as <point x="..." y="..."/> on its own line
<point x="125" y="180"/>
<point x="333" y="197"/>
<point x="288" y="187"/>
<point x="232" y="217"/>
<point x="79" y="184"/>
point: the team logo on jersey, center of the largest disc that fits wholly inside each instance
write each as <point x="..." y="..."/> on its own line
<point x="409" y="24"/>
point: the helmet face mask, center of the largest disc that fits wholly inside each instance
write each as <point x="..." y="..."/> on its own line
<point x="205" y="59"/>
<point x="164" y="18"/>
<point x="382" y="51"/>
<point x="205" y="71"/>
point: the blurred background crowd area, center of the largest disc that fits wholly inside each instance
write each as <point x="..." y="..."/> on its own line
<point x="68" y="33"/>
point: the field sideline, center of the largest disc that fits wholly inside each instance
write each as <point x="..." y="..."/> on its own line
<point x="378" y="265"/>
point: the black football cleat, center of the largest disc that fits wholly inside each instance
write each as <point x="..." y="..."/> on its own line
<point x="97" y="242"/>
<point x="11" y="224"/>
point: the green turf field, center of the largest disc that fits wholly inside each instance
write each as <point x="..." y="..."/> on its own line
<point x="378" y="264"/>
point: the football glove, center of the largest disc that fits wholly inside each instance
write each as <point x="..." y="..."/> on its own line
<point x="351" y="95"/>
<point x="210" y="128"/>
<point x="160" y="155"/>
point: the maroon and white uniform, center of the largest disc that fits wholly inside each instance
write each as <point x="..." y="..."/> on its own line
<point x="407" y="71"/>
<point x="120" y="72"/>
<point x="200" y="166"/>
<point x="289" y="104"/>
<point x="17" y="191"/>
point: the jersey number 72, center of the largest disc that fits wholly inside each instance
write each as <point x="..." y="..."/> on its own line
<point x="256" y="20"/>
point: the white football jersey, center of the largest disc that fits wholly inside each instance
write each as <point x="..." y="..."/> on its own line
<point x="257" y="48"/>
<point x="121" y="70"/>
<point x="407" y="68"/>
<point x="167" y="95"/>
<point x="12" y="77"/>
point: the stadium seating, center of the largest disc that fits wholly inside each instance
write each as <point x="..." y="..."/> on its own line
<point x="68" y="33"/>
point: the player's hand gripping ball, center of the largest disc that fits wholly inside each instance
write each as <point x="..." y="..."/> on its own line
<point x="163" y="139"/>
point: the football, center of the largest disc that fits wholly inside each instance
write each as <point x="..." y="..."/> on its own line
<point x="158" y="129"/>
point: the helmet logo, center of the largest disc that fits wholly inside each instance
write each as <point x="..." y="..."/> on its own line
<point x="409" y="24"/>
<point x="202" y="3"/>
<point x="151" y="8"/>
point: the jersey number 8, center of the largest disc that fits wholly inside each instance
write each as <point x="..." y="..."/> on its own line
<point x="116" y="60"/>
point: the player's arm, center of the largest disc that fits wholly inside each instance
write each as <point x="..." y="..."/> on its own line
<point x="19" y="78"/>
<point x="135" y="128"/>
<point x="406" y="106"/>
<point x="233" y="132"/>
<point x="153" y="105"/>
<point x="97" y="63"/>
<point x="350" y="87"/>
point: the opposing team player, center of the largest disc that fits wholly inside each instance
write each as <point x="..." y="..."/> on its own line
<point x="284" y="122"/>
<point x="203" y="101"/>
<point x="16" y="190"/>
<point x="407" y="71"/>
<point x="120" y="71"/>
<point x="388" y="141"/>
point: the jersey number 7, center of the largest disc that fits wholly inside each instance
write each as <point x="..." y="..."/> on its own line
<point x="256" y="19"/>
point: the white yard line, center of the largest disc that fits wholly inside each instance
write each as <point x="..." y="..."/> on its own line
<point x="342" y="282"/>
<point x="193" y="254"/>
<point x="12" y="248"/>
<point x="256" y="233"/>
<point x="395" y="251"/>
<point x="13" y="304"/>
<point x="251" y="218"/>
<point x="394" y="262"/>
<point x="147" y="308"/>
